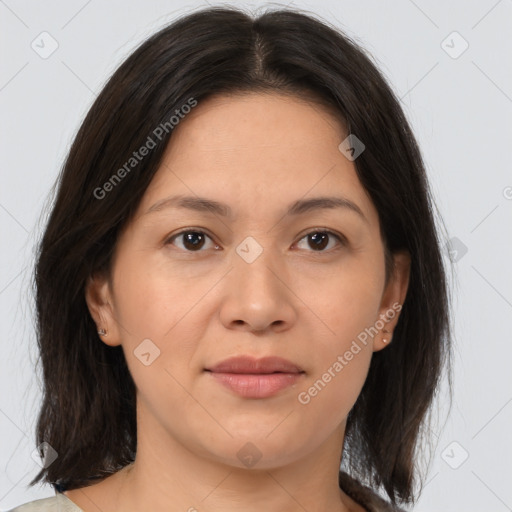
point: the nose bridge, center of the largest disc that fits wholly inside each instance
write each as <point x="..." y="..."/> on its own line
<point x="257" y="294"/>
<point x="256" y="267"/>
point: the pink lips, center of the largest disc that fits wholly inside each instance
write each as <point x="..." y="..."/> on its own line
<point x="256" y="378"/>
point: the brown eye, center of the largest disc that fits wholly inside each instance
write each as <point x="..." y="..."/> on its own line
<point x="319" y="240"/>
<point x="191" y="240"/>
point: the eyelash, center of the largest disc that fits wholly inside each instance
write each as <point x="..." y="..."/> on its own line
<point x="341" y="239"/>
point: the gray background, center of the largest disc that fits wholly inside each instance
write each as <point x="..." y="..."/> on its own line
<point x="459" y="104"/>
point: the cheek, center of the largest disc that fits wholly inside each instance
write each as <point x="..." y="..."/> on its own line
<point x="341" y="350"/>
<point x="343" y="303"/>
<point x="339" y="367"/>
<point x="153" y="313"/>
<point x="149" y="300"/>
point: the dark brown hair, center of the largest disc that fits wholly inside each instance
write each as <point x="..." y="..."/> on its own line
<point x="88" y="410"/>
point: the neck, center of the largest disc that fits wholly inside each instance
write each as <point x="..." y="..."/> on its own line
<point x="166" y="475"/>
<point x="194" y="482"/>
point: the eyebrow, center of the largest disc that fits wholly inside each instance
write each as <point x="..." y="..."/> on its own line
<point x="299" y="207"/>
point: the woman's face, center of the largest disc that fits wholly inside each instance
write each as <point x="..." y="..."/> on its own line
<point x="195" y="284"/>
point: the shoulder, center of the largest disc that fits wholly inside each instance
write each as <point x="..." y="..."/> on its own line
<point x="58" y="503"/>
<point x="365" y="496"/>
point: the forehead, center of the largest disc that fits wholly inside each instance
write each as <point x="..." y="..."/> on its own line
<point x="252" y="121"/>
<point x="257" y="150"/>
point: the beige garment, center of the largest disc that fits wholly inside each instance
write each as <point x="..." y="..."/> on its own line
<point x="58" y="503"/>
<point x="363" y="495"/>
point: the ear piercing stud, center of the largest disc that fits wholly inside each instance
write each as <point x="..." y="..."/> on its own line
<point x="102" y="332"/>
<point x="385" y="340"/>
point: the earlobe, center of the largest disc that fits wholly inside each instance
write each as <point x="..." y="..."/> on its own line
<point x="393" y="299"/>
<point x="99" y="301"/>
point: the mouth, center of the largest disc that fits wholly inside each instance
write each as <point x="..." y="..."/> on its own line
<point x="262" y="385"/>
<point x="251" y="365"/>
<point x="256" y="378"/>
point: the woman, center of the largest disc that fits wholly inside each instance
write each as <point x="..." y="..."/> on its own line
<point x="240" y="286"/>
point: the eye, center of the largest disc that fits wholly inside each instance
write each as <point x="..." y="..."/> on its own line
<point x="193" y="240"/>
<point x="320" y="239"/>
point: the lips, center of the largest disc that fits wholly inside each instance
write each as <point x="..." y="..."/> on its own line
<point x="250" y="365"/>
<point x="256" y="378"/>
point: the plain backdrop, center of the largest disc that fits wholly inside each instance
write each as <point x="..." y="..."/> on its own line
<point x="450" y="64"/>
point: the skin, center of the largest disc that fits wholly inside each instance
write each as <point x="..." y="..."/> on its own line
<point x="202" y="306"/>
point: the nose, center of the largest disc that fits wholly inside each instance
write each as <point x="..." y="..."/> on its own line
<point x="257" y="296"/>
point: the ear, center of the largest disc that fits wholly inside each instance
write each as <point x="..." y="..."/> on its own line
<point x="392" y="300"/>
<point x="98" y="295"/>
